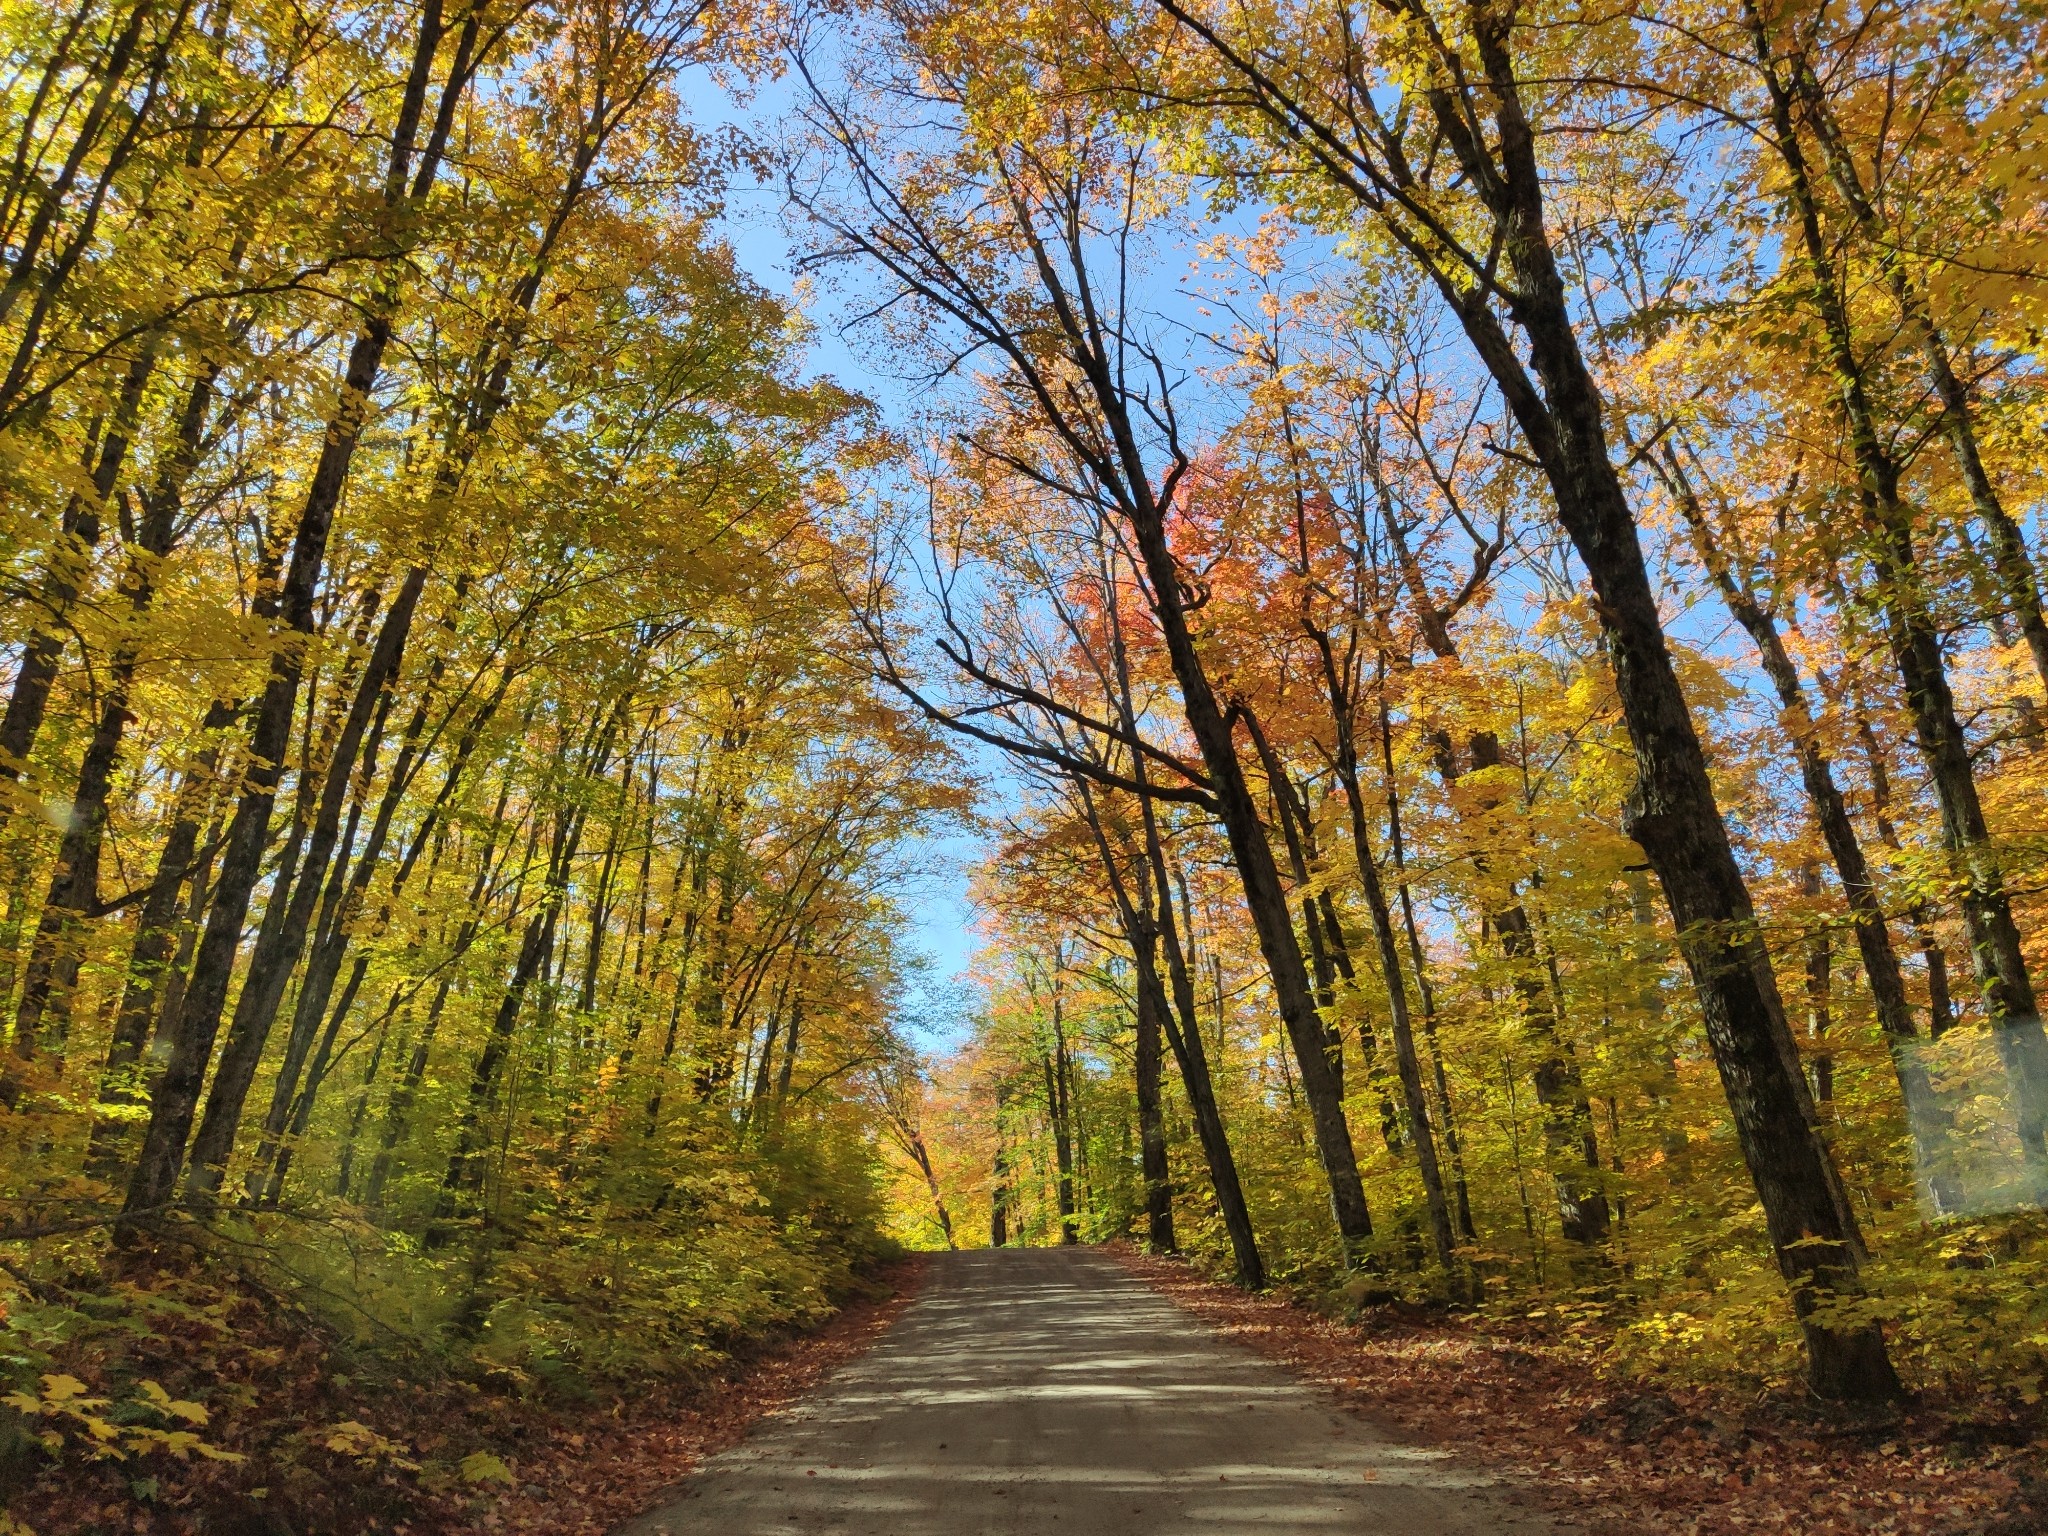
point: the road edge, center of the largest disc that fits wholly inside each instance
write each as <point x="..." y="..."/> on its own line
<point x="598" y="1475"/>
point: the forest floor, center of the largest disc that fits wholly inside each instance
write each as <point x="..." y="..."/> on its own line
<point x="1612" y="1459"/>
<point x="1030" y="1360"/>
<point x="325" y="1451"/>
<point x="591" y="1473"/>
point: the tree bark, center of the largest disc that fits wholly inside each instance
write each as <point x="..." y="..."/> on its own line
<point x="1059" y="1108"/>
<point x="1265" y="898"/>
<point x="2011" y="561"/>
<point x="465" y="1174"/>
<point x="1425" y="993"/>
<point x="69" y="565"/>
<point x="1152" y="1124"/>
<point x="52" y="972"/>
<point x="1145" y="907"/>
<point x="1570" y="1144"/>
<point x="146" y="996"/>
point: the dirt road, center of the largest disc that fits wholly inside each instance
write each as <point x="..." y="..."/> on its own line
<point x="1044" y="1390"/>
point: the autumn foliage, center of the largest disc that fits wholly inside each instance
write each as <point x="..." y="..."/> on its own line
<point x="1475" y="563"/>
<point x="1498" y="546"/>
<point x="448" y="922"/>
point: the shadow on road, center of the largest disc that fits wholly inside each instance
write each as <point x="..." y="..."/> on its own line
<point x="1043" y="1390"/>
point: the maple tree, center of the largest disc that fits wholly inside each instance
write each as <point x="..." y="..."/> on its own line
<point x="1369" y="583"/>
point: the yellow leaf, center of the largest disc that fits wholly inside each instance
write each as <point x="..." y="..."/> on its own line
<point x="177" y="1407"/>
<point x="350" y="1438"/>
<point x="483" y="1467"/>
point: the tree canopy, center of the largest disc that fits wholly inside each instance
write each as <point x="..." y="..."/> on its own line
<point x="1470" y="569"/>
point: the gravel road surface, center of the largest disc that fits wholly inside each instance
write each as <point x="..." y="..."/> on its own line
<point x="1045" y="1390"/>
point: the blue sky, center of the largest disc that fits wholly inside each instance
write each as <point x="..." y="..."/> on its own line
<point x="936" y="894"/>
<point x="936" y="898"/>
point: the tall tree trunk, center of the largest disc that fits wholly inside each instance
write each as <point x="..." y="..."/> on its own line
<point x="790" y="1046"/>
<point x="1915" y="645"/>
<point x="27" y="185"/>
<point x="1887" y="983"/>
<point x="465" y="1172"/>
<point x="1571" y="1148"/>
<point x="359" y="1110"/>
<point x="1152" y="1164"/>
<point x="1059" y="1107"/>
<point x="278" y="948"/>
<point x="1265" y="897"/>
<point x="1425" y="993"/>
<point x="347" y="887"/>
<point x="921" y="1155"/>
<point x="1941" y="1014"/>
<point x="46" y="273"/>
<point x="1145" y="907"/>
<point x="1672" y="812"/>
<point x="2017" y="576"/>
<point x="74" y="882"/>
<point x="176" y="1096"/>
<point x="1407" y="1062"/>
<point x="70" y="564"/>
<point x="405" y="1093"/>
<point x="147" y="996"/>
<point x="293" y="1134"/>
<point x="999" y="1184"/>
<point x="1820" y="967"/>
